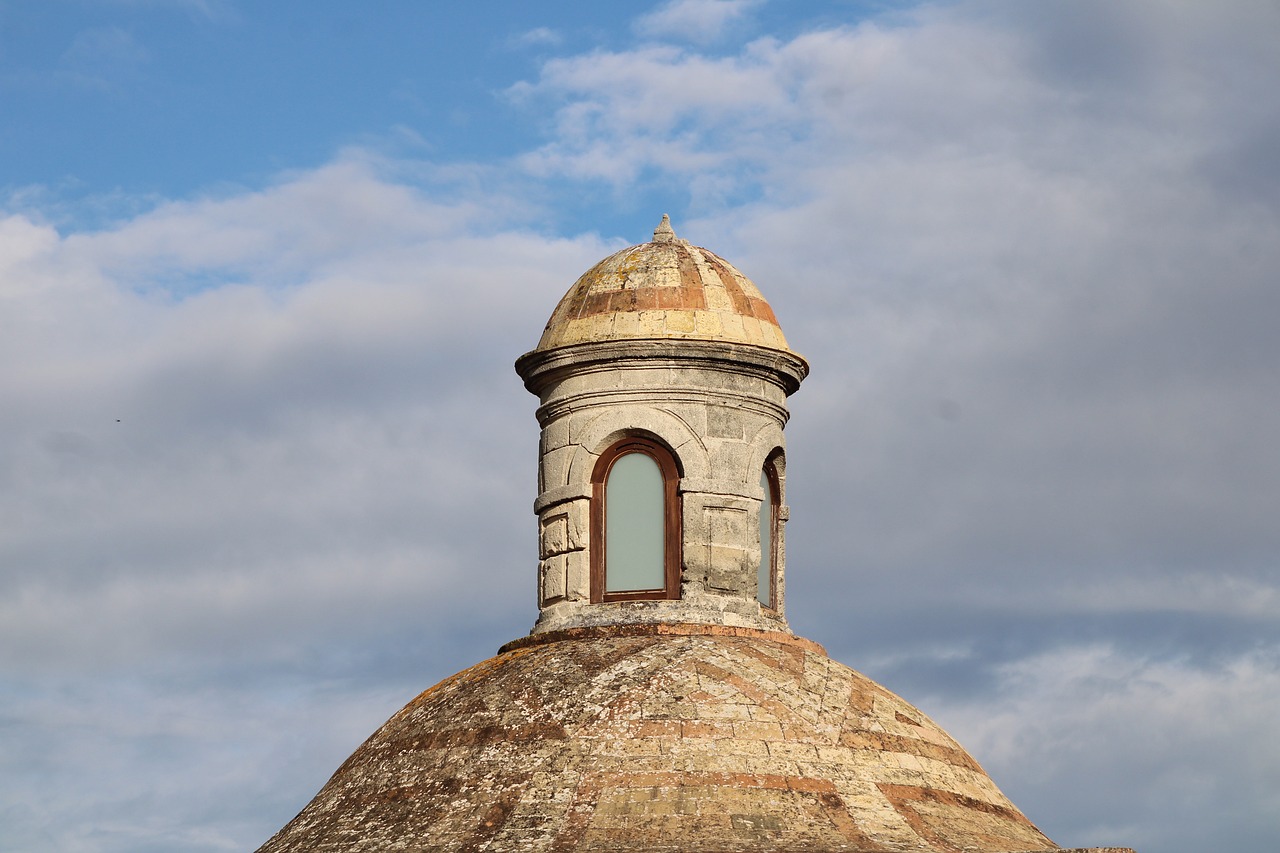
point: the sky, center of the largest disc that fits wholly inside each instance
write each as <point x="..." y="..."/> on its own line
<point x="266" y="471"/>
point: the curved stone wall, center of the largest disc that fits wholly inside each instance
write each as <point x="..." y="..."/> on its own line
<point x="720" y="408"/>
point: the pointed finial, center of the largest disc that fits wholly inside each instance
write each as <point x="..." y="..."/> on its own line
<point x="664" y="233"/>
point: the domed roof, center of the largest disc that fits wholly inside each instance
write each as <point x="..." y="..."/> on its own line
<point x="663" y="289"/>
<point x="660" y="738"/>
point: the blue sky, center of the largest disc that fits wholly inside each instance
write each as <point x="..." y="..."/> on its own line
<point x="266" y="471"/>
<point x="166" y="98"/>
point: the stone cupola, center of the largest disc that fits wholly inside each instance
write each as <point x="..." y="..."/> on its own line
<point x="663" y="377"/>
<point x="661" y="704"/>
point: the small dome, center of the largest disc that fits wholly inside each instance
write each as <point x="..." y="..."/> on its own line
<point x="663" y="289"/>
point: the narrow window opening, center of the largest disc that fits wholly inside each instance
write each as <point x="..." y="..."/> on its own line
<point x="635" y="523"/>
<point x="767" y="574"/>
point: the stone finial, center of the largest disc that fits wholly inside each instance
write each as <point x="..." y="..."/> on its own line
<point x="664" y="233"/>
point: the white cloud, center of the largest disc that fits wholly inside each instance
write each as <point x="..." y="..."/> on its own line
<point x="1032" y="290"/>
<point x="240" y="434"/>
<point x="696" y="21"/>
<point x="226" y="409"/>
<point x="538" y="36"/>
<point x="659" y="107"/>
<point x="1065" y="720"/>
<point x="1033" y="266"/>
<point x="957" y="224"/>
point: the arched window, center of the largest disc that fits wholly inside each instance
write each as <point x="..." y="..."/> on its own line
<point x="767" y="574"/>
<point x="635" y="523"/>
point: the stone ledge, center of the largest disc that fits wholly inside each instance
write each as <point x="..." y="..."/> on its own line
<point x="666" y="629"/>
<point x="540" y="368"/>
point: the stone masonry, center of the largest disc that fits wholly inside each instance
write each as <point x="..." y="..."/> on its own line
<point x="668" y="341"/>
<point x="720" y="408"/>
<point x="660" y="738"/>
<point x="688" y="718"/>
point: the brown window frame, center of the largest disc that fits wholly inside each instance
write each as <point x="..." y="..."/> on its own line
<point x="774" y="500"/>
<point x="672" y="535"/>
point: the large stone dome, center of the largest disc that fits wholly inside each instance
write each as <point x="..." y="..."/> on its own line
<point x="660" y="738"/>
<point x="661" y="702"/>
<point x="663" y="289"/>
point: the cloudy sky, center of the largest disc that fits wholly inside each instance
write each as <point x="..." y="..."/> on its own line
<point x="266" y="471"/>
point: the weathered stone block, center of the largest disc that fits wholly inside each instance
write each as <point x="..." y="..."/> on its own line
<point x="724" y="422"/>
<point x="679" y="321"/>
<point x="729" y="524"/>
<point x="717" y="297"/>
<point x="652" y="323"/>
<point x="720" y="489"/>
<point x="733" y="457"/>
<point x="554" y="537"/>
<point x="552" y="571"/>
<point x="578" y="523"/>
<point x="555" y="434"/>
<point x="555" y="467"/>
<point x="707" y="323"/>
<point x="729" y="572"/>
<point x="627" y="325"/>
<point x="732" y="324"/>
<point x="578" y="576"/>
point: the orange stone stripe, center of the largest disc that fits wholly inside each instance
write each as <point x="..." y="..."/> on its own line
<point x="746" y="688"/>
<point x="793" y="667"/>
<point x="761" y="310"/>
<point x="689" y="276"/>
<point x="902" y="798"/>
<point x="885" y="742"/>
<point x="741" y="304"/>
<point x="637" y="299"/>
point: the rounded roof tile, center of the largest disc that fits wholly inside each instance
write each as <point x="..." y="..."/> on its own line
<point x="666" y="288"/>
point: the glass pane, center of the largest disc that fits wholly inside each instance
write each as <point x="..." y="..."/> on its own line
<point x="764" y="577"/>
<point x="633" y="498"/>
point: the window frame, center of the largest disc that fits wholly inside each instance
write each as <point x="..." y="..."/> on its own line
<point x="773" y="498"/>
<point x="672" y="535"/>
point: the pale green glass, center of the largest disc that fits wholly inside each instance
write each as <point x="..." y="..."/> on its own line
<point x="764" y="576"/>
<point x="633" y="500"/>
